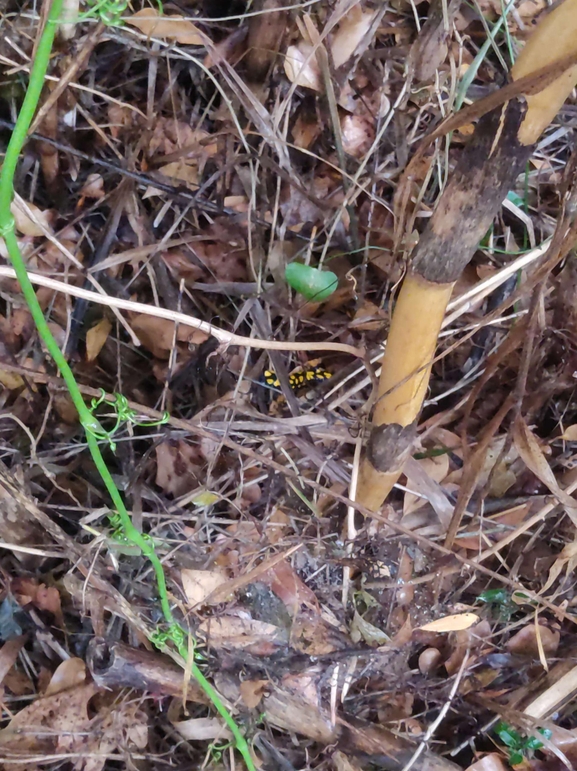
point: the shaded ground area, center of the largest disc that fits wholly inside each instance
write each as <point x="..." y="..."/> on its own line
<point x="181" y="165"/>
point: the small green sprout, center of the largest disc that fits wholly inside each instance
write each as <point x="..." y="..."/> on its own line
<point x="519" y="746"/>
<point x="108" y="11"/>
<point x="503" y="602"/>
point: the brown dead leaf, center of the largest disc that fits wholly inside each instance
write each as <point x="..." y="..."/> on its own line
<point x="311" y="634"/>
<point x="566" y="559"/>
<point x="300" y="64"/>
<point x="40" y="726"/>
<point x="158" y="335"/>
<point x="305" y="131"/>
<point x="199" y="584"/>
<point x="491" y="762"/>
<point x="151" y="23"/>
<point x="30" y="591"/>
<point x="65" y="408"/>
<point x="341" y="762"/>
<point x="122" y="727"/>
<point x="430" y="48"/>
<point x="352" y="34"/>
<point x="525" y="642"/>
<point x="182" y="266"/>
<point x="454" y="623"/>
<point x="288" y="587"/>
<point x="265" y="35"/>
<point x="119" y="118"/>
<point x="361" y="629"/>
<point x="535" y="460"/>
<point x="173" y="137"/>
<point x="240" y="632"/>
<point x="434" y="469"/>
<point x="368" y="317"/>
<point x="9" y="654"/>
<point x="570" y="433"/>
<point x="60" y="723"/>
<point x="301" y="67"/>
<point x="96" y="337"/>
<point x="181" y="171"/>
<point x="252" y="692"/>
<point x="202" y="729"/>
<point x="30" y="223"/>
<point x="19" y="683"/>
<point x="69" y="674"/>
<point x="275" y="526"/>
<point x="177" y="467"/>
<point x="496" y="468"/>
<point x="358" y="134"/>
<point x="93" y="187"/>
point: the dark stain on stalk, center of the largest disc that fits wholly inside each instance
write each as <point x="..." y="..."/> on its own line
<point x="485" y="173"/>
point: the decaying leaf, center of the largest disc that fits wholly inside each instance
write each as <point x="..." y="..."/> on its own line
<point x="59" y="722"/>
<point x="48" y="723"/>
<point x="289" y="587"/>
<point x="491" y="762"/>
<point x="29" y="590"/>
<point x="252" y="691"/>
<point x="151" y="23"/>
<point x="570" y="433"/>
<point x="199" y="584"/>
<point x="424" y="477"/>
<point x="361" y="629"/>
<point x="202" y="729"/>
<point x="454" y="623"/>
<point x="9" y="654"/>
<point x="70" y="674"/>
<point x="351" y="33"/>
<point x="29" y="219"/>
<point x="240" y="632"/>
<point x="566" y="559"/>
<point x="93" y="187"/>
<point x="161" y="335"/>
<point x="535" y="460"/>
<point x="301" y="66"/>
<point x="178" y="467"/>
<point x="96" y="337"/>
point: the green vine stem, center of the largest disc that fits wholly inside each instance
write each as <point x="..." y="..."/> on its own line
<point x="88" y="420"/>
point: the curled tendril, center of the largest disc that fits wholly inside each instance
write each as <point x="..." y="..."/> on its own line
<point x="174" y="634"/>
<point x="123" y="414"/>
<point x="108" y="11"/>
<point x="217" y="750"/>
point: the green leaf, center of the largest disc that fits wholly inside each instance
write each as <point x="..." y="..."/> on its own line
<point x="205" y="498"/>
<point x="498" y="596"/>
<point x="515" y="758"/>
<point x="508" y="735"/>
<point x="312" y="283"/>
<point x="533" y="743"/>
<point x="515" y="199"/>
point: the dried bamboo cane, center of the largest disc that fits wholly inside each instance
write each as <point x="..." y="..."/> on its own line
<point x="497" y="153"/>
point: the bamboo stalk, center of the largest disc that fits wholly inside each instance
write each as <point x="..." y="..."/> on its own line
<point x="497" y="153"/>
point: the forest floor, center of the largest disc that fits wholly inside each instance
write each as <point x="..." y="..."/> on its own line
<point x="184" y="164"/>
